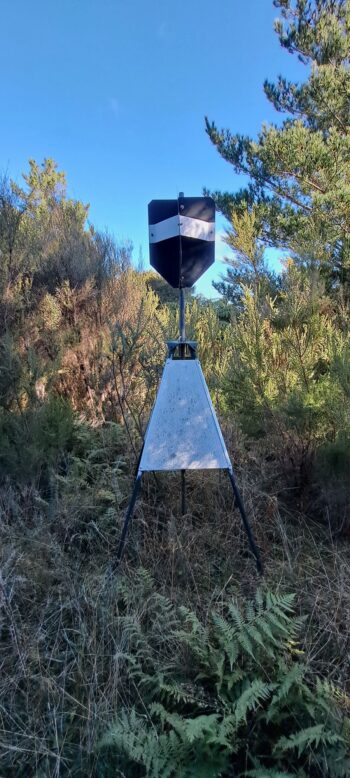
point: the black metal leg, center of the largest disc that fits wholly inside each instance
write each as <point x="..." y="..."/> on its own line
<point x="139" y="460"/>
<point x="183" y="493"/>
<point x="240" y="506"/>
<point x="128" y="516"/>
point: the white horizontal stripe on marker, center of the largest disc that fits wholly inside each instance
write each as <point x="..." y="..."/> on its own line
<point x="181" y="225"/>
<point x="196" y="228"/>
<point x="168" y="228"/>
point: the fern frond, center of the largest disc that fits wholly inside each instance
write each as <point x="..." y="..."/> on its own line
<point x="225" y="631"/>
<point x="250" y="611"/>
<point x="293" y="677"/>
<point x="191" y="620"/>
<point x="259" y="600"/>
<point x="308" y="738"/>
<point x="277" y="623"/>
<point x="256" y="693"/>
<point x="160" y="754"/>
<point x="332" y="693"/>
<point x="174" y="720"/>
<point x="245" y="642"/>
<point x="255" y="635"/>
<point x="266" y="772"/>
<point x="283" y="601"/>
<point x="180" y="693"/>
<point x="236" y="615"/>
<point x="265" y="628"/>
<point x="203" y="727"/>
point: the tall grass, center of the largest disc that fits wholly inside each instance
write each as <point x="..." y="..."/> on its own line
<point x="62" y="672"/>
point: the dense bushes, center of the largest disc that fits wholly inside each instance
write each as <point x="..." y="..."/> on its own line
<point x="287" y="383"/>
<point x="36" y="440"/>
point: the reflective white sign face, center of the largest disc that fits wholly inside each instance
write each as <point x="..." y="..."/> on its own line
<point x="183" y="431"/>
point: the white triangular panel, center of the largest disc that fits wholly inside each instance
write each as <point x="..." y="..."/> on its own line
<point x="183" y="432"/>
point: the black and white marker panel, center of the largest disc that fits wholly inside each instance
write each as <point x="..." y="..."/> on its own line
<point x="182" y="238"/>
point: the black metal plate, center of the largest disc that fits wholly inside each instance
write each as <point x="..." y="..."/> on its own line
<point x="182" y="260"/>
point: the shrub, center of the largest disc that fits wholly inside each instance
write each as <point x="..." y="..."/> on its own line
<point x="35" y="440"/>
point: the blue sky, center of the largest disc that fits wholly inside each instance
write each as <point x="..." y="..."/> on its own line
<point x="116" y="92"/>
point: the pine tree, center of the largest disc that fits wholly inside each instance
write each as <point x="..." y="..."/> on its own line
<point x="248" y="267"/>
<point x="299" y="171"/>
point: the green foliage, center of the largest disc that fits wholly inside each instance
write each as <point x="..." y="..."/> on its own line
<point x="227" y="691"/>
<point x="86" y="495"/>
<point x="299" y="171"/>
<point x="35" y="440"/>
<point x="165" y="293"/>
<point x="50" y="312"/>
<point x="248" y="267"/>
<point x="234" y="696"/>
<point x="11" y="373"/>
<point x="288" y="380"/>
<point x="334" y="456"/>
<point x="208" y="325"/>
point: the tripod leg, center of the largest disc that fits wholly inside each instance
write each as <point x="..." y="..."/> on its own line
<point x="128" y="516"/>
<point x="240" y="506"/>
<point x="139" y="460"/>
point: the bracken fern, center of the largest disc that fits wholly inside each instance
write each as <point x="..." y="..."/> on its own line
<point x="229" y="697"/>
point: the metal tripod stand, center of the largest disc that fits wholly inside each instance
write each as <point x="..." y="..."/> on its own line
<point x="183" y="431"/>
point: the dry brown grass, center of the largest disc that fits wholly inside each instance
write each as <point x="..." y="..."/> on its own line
<point x="61" y="645"/>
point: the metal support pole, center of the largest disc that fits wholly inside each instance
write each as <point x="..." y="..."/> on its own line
<point x="182" y="326"/>
<point x="182" y="314"/>
<point x="240" y="506"/>
<point x="128" y="516"/>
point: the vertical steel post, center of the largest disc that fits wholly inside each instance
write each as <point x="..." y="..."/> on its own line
<point x="182" y="349"/>
<point x="182" y="356"/>
<point x="182" y="326"/>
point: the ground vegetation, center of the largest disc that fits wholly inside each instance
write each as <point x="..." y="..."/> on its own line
<point x="185" y="662"/>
